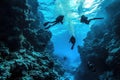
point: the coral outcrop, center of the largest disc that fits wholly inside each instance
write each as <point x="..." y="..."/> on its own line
<point x="25" y="48"/>
<point x="100" y="54"/>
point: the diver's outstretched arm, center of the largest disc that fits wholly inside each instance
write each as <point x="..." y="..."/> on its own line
<point x="94" y="19"/>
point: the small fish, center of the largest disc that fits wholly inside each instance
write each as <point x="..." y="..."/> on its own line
<point x="91" y="66"/>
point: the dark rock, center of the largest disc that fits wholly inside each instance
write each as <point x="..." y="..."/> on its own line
<point x="39" y="40"/>
<point x="25" y="48"/>
<point x="102" y="49"/>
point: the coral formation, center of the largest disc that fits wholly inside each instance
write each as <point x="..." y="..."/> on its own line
<point x="24" y="46"/>
<point x="102" y="49"/>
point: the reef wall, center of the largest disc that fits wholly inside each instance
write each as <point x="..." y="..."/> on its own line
<point x="25" y="48"/>
<point x="100" y="55"/>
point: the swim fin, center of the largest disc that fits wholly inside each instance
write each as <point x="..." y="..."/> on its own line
<point x="46" y="23"/>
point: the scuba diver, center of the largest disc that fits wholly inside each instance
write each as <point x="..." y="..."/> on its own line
<point x="73" y="41"/>
<point x="85" y="19"/>
<point x="59" y="19"/>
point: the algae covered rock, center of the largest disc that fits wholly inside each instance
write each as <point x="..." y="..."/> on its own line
<point x="25" y="52"/>
<point x="102" y="49"/>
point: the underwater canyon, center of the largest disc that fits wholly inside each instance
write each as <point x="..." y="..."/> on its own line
<point x="59" y="40"/>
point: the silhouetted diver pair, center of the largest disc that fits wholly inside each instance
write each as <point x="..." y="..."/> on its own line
<point x="60" y="18"/>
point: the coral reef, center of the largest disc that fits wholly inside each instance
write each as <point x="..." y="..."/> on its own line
<point x="100" y="54"/>
<point x="25" y="48"/>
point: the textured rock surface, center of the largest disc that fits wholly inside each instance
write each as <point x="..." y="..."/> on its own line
<point x="25" y="52"/>
<point x="102" y="49"/>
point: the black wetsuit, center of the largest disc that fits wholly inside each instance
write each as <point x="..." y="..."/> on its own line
<point x="85" y="20"/>
<point x="73" y="41"/>
<point x="59" y="19"/>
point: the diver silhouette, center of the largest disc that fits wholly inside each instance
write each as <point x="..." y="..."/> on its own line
<point x="59" y="19"/>
<point x="73" y="41"/>
<point x="85" y="19"/>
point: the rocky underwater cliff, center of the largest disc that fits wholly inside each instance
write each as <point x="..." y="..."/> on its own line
<point x="100" y="55"/>
<point x="25" y="47"/>
<point x="26" y="50"/>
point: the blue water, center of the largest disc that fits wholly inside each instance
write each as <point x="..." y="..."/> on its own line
<point x="72" y="10"/>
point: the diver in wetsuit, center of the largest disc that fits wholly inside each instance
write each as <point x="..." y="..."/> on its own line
<point x="73" y="41"/>
<point x="59" y="19"/>
<point x="85" y="19"/>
